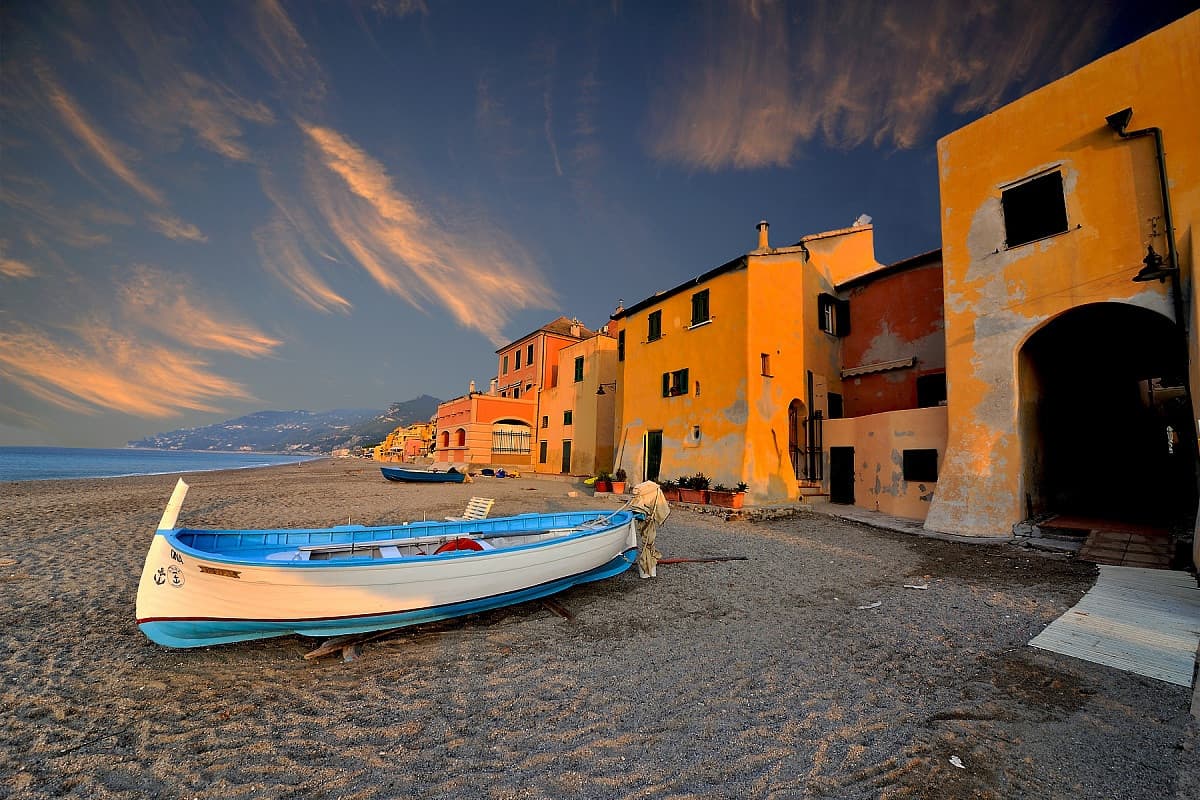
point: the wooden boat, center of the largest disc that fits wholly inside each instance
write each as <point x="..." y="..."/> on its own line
<point x="421" y="475"/>
<point x="206" y="587"/>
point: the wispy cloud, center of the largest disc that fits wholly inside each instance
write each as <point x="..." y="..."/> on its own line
<point x="174" y="228"/>
<point x="283" y="52"/>
<point x="103" y="369"/>
<point x="474" y="275"/>
<point x="11" y="267"/>
<point x="165" y="303"/>
<point x="282" y="253"/>
<point x="110" y="154"/>
<point x="854" y="73"/>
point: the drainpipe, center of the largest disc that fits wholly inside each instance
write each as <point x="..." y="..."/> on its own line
<point x="1118" y="123"/>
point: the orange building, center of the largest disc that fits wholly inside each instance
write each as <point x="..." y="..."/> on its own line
<point x="498" y="427"/>
<point x="1069" y="222"/>
<point x="406" y="443"/>
<point x="575" y="431"/>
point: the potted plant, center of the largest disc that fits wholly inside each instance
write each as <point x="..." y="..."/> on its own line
<point x="670" y="489"/>
<point x="696" y="490"/>
<point x="603" y="483"/>
<point x="618" y="481"/>
<point x="722" y="495"/>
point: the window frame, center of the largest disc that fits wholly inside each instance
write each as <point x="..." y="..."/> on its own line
<point x="654" y="326"/>
<point x="1024" y="206"/>
<point x="675" y="383"/>
<point x="621" y="345"/>
<point x="833" y="315"/>
<point x="917" y="467"/>
<point x="700" y="303"/>
<point x="568" y="417"/>
<point x="578" y="369"/>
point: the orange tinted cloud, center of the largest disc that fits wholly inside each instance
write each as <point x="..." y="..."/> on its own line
<point x="774" y="76"/>
<point x="103" y="369"/>
<point x="90" y="135"/>
<point x="281" y="253"/>
<point x="174" y="228"/>
<point x="159" y="301"/>
<point x="11" y="267"/>
<point x="479" y="276"/>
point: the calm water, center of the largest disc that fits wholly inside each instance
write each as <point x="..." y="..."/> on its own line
<point x="52" y="463"/>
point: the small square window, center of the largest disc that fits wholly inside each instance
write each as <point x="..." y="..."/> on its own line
<point x="545" y="422"/>
<point x="931" y="390"/>
<point x="578" y="369"/>
<point x="654" y="326"/>
<point x="1034" y="210"/>
<point x="700" y="307"/>
<point x="567" y="417"/>
<point x="766" y="364"/>
<point x="921" y="466"/>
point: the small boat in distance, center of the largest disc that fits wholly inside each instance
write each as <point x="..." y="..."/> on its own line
<point x="206" y="587"/>
<point x="422" y="475"/>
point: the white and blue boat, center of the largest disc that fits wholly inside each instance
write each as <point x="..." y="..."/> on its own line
<point x="207" y="587"/>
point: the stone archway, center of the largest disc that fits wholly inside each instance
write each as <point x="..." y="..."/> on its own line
<point x="1105" y="422"/>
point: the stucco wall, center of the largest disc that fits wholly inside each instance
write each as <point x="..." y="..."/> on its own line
<point x="997" y="296"/>
<point x="879" y="442"/>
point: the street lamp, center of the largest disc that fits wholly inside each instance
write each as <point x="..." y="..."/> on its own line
<point x="600" y="389"/>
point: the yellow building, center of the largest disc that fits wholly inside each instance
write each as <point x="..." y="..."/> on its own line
<point x="1069" y="254"/>
<point x="575" y="432"/>
<point x="406" y="443"/>
<point x="729" y="374"/>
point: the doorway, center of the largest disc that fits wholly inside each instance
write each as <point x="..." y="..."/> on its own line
<point x="841" y="475"/>
<point x="653" y="452"/>
<point x="566" y="457"/>
<point x="1105" y="419"/>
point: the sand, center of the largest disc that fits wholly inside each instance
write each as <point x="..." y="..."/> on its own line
<point x="744" y="679"/>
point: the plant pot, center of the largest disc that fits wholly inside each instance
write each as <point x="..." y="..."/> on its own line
<point x="726" y="499"/>
<point x="698" y="496"/>
<point x="671" y="494"/>
<point x="602" y="487"/>
<point x="618" y="487"/>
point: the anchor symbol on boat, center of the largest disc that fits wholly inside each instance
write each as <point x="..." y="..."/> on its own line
<point x="160" y="577"/>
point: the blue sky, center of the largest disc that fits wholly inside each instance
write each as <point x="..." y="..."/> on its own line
<point x="214" y="208"/>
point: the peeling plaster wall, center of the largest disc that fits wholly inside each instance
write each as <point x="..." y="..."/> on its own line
<point x="879" y="442"/>
<point x="995" y="296"/>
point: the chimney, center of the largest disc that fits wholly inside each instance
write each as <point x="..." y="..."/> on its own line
<point x="492" y="388"/>
<point x="762" y="235"/>
<point x="472" y="390"/>
<point x="575" y="328"/>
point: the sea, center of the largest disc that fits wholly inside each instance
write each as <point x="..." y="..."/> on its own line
<point x="55" y="463"/>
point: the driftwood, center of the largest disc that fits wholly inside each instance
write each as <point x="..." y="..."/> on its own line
<point x="561" y="610"/>
<point x="350" y="645"/>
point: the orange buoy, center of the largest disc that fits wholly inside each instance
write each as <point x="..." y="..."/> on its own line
<point x="461" y="543"/>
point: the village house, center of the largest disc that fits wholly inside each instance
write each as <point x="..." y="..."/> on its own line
<point x="734" y="374"/>
<point x="406" y="443"/>
<point x="575" y="429"/>
<point x="1069" y="222"/>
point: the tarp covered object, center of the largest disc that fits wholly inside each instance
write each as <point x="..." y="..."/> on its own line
<point x="648" y="500"/>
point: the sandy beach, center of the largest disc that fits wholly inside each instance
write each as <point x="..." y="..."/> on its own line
<point x="761" y="678"/>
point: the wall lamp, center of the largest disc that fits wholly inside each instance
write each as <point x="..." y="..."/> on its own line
<point x="600" y="389"/>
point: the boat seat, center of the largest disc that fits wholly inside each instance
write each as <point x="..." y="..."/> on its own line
<point x="389" y="551"/>
<point x="289" y="555"/>
<point x="477" y="508"/>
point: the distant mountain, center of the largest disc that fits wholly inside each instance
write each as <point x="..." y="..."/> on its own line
<point x="297" y="431"/>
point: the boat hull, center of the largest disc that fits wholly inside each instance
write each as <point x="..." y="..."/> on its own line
<point x="192" y="598"/>
<point x="421" y="476"/>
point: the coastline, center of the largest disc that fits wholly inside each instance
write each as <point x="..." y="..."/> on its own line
<point x="755" y="679"/>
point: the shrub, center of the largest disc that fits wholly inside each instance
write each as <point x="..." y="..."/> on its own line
<point x="619" y="475"/>
<point x="698" y="481"/>
<point x="742" y="487"/>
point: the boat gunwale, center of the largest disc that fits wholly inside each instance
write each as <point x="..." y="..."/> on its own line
<point x="625" y="517"/>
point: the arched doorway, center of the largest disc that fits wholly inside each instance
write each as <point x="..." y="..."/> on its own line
<point x="1105" y="421"/>
<point x="797" y="441"/>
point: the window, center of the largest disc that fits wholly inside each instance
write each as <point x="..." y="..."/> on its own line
<point x="578" y="368"/>
<point x="833" y="315"/>
<point x="506" y="365"/>
<point x="460" y="438"/>
<point x="766" y="364"/>
<point x="835" y="405"/>
<point x="675" y="383"/>
<point x="553" y="376"/>
<point x="529" y="355"/>
<point x="921" y="466"/>
<point x="621" y="345"/>
<point x="518" y="366"/>
<point x="654" y="326"/>
<point x="542" y="451"/>
<point x="1034" y="210"/>
<point x="567" y="417"/>
<point x="931" y="390"/>
<point x="545" y="422"/>
<point x="516" y="392"/>
<point x="700" y="307"/>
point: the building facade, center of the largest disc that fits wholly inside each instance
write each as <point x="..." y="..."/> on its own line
<point x="575" y="430"/>
<point x="1068" y="239"/>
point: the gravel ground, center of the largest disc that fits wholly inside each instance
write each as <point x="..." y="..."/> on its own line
<point x="807" y="670"/>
